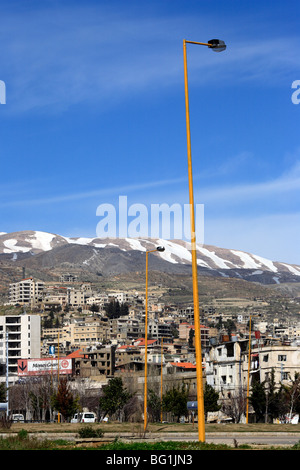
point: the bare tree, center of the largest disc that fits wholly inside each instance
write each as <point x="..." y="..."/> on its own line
<point x="235" y="405"/>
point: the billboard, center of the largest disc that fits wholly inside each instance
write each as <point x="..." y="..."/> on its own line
<point x="44" y="366"/>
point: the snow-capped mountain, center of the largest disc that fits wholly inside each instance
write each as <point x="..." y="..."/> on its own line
<point x="111" y="255"/>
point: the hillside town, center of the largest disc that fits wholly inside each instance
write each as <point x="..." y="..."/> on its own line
<point x="95" y="336"/>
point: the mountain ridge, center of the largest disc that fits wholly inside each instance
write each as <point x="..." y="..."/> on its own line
<point x="37" y="249"/>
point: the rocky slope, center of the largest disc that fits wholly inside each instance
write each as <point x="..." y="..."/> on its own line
<point x="40" y="250"/>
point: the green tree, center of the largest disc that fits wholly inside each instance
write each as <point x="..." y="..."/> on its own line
<point x="2" y="392"/>
<point x="124" y="310"/>
<point x="63" y="400"/>
<point x="273" y="398"/>
<point x="114" y="398"/>
<point x="191" y="338"/>
<point x="94" y="308"/>
<point x="230" y="326"/>
<point x="211" y="398"/>
<point x="290" y="395"/>
<point x="175" y="401"/>
<point x="154" y="405"/>
<point x="258" y="399"/>
<point x="115" y="310"/>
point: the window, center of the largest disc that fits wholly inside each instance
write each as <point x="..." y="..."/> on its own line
<point x="281" y="357"/>
<point x="266" y="358"/>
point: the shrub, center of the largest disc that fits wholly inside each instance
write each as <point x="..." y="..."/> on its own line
<point x="23" y="434"/>
<point x="90" y="431"/>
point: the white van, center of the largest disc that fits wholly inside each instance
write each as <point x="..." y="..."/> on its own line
<point x="18" y="418"/>
<point x="86" y="417"/>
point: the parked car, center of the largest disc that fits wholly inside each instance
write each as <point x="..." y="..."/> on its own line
<point x="76" y="418"/>
<point x="86" y="417"/>
<point x="18" y="418"/>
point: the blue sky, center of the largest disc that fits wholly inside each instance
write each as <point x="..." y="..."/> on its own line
<point x="95" y="109"/>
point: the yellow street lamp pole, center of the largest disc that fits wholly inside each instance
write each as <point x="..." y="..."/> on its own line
<point x="161" y="380"/>
<point x="159" y="248"/>
<point x="216" y="45"/>
<point x="249" y="365"/>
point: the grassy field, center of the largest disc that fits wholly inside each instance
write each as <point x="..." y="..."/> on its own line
<point x="137" y="428"/>
<point x="54" y="436"/>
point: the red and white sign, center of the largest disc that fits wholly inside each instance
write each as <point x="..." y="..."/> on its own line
<point x="44" y="366"/>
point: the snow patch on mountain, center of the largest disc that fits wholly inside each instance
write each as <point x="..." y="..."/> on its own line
<point x="41" y="241"/>
<point x="220" y="262"/>
<point x="135" y="244"/>
<point x="12" y="248"/>
<point x="248" y="261"/>
<point x="292" y="269"/>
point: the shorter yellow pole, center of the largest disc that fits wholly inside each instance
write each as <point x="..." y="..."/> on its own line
<point x="146" y="344"/>
<point x="146" y="337"/>
<point x="249" y="365"/>
<point x="58" y="415"/>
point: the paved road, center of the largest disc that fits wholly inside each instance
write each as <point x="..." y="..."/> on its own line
<point x="280" y="439"/>
<point x="267" y="438"/>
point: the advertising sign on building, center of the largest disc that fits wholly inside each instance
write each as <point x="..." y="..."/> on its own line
<point x="45" y="366"/>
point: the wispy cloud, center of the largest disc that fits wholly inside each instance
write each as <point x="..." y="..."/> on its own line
<point x="104" y="192"/>
<point x="55" y="57"/>
<point x="288" y="182"/>
<point x="175" y="190"/>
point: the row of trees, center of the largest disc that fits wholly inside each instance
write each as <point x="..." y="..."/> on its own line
<point x="41" y="399"/>
<point x="269" y="402"/>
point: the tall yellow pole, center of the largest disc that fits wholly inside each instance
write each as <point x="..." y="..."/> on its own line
<point x="249" y="365"/>
<point x="200" y="396"/>
<point x="161" y="380"/>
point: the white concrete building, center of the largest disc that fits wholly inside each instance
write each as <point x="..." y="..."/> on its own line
<point x="26" y="292"/>
<point x="225" y="367"/>
<point x="20" y="338"/>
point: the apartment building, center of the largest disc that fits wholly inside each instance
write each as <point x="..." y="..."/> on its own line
<point x="76" y="297"/>
<point x="86" y="333"/>
<point x="159" y="330"/>
<point x="97" y="363"/>
<point x="185" y="330"/>
<point x="122" y="297"/>
<point x="20" y="338"/>
<point x="55" y="298"/>
<point x="227" y="363"/>
<point x="126" y="327"/>
<point x="226" y="366"/>
<point x="68" y="277"/>
<point x="284" y="359"/>
<point x="26" y="292"/>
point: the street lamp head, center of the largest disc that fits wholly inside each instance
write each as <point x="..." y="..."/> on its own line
<point x="217" y="45"/>
<point x="160" y="248"/>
